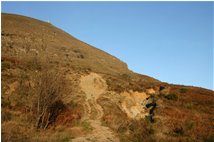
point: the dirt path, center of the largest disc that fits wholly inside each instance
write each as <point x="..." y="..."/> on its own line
<point x="99" y="134"/>
<point x="93" y="85"/>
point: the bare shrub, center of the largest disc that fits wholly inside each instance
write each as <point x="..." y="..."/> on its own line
<point x="49" y="89"/>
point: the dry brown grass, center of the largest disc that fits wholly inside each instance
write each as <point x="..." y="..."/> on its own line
<point x="190" y="117"/>
<point x="113" y="115"/>
<point x="25" y="52"/>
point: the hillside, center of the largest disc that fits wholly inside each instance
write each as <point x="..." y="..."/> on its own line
<point x="58" y="88"/>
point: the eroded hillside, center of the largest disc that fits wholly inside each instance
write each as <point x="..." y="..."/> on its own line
<point x="57" y="88"/>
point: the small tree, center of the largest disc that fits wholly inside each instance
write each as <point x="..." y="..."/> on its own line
<point x="49" y="89"/>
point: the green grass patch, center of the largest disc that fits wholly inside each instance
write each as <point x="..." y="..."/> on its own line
<point x="190" y="125"/>
<point x="189" y="105"/>
<point x="86" y="125"/>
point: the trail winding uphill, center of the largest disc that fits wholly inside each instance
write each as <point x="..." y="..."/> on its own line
<point x="93" y="85"/>
<point x="99" y="134"/>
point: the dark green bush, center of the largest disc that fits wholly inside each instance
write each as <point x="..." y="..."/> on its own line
<point x="6" y="103"/>
<point x="6" y="65"/>
<point x="209" y="138"/>
<point x="183" y="90"/>
<point x="179" y="131"/>
<point x="5" y="116"/>
<point x="173" y="97"/>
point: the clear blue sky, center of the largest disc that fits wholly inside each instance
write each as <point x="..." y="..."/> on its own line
<point x="170" y="41"/>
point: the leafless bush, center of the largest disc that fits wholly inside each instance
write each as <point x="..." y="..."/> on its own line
<point x="49" y="89"/>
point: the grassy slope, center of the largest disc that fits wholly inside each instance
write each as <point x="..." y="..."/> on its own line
<point x="188" y="116"/>
<point x="60" y="46"/>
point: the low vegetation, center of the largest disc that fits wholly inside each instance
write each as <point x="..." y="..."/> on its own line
<point x="49" y="89"/>
<point x="171" y="96"/>
<point x="39" y="98"/>
<point x="86" y="126"/>
<point x="42" y="100"/>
